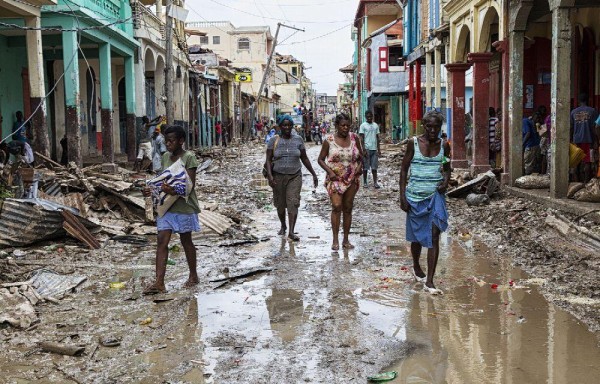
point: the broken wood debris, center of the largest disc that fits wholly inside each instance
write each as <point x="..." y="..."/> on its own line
<point x="75" y="228"/>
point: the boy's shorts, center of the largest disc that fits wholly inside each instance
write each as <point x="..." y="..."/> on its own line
<point x="371" y="161"/>
<point x="145" y="151"/>
<point x="178" y="222"/>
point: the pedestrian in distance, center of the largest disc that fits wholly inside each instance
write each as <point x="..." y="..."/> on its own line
<point x="181" y="217"/>
<point x="369" y="134"/>
<point x="285" y="155"/>
<point x="341" y="158"/>
<point x="583" y="135"/>
<point x="20" y="128"/>
<point x="424" y="180"/>
<point x="158" y="150"/>
<point x="531" y="144"/>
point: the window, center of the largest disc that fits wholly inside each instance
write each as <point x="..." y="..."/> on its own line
<point x="383" y="59"/>
<point x="244" y="43"/>
<point x="216" y="40"/>
<point x="295" y="71"/>
<point x="395" y="56"/>
<point x="203" y="39"/>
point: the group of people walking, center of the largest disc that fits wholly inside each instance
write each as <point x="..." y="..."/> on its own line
<point x="345" y="157"/>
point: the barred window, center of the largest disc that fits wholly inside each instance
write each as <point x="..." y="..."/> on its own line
<point x="244" y="43"/>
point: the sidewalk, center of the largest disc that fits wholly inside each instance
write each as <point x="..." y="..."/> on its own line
<point x="542" y="196"/>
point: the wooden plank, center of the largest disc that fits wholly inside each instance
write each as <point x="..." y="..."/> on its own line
<point x="76" y="229"/>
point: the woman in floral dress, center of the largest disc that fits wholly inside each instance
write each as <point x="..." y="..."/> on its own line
<point x="341" y="158"/>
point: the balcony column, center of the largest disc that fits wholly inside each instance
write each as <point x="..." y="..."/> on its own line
<point x="438" y="77"/>
<point x="507" y="68"/>
<point x="457" y="75"/>
<point x="71" y="83"/>
<point x="35" y="63"/>
<point x="481" y="98"/>
<point x="418" y="98"/>
<point x="159" y="9"/>
<point x="130" y="106"/>
<point x="106" y="112"/>
<point x="560" y="92"/>
<point x="428" y="69"/>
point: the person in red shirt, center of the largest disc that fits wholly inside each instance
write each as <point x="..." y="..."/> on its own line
<point x="219" y="131"/>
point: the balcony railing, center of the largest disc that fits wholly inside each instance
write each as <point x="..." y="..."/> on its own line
<point x="143" y="18"/>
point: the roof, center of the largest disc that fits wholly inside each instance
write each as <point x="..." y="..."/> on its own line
<point x="253" y="29"/>
<point x="348" y="68"/>
<point x="393" y="28"/>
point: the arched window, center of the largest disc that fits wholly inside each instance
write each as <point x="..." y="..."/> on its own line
<point x="244" y="43"/>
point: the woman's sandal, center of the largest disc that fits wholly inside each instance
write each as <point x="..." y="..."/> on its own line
<point x="347" y="246"/>
<point x="282" y="231"/>
<point x="335" y="247"/>
<point x="417" y="278"/>
<point x="433" y="291"/>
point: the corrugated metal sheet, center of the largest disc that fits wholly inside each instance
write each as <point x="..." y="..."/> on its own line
<point x="50" y="283"/>
<point x="25" y="223"/>
<point x="215" y="221"/>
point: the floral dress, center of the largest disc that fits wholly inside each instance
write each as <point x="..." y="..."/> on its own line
<point x="344" y="162"/>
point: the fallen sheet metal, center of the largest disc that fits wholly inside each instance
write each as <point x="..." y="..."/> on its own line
<point x="50" y="283"/>
<point x="215" y="221"/>
<point x="27" y="221"/>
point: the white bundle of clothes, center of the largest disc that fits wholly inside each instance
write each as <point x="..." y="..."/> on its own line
<point x="175" y="176"/>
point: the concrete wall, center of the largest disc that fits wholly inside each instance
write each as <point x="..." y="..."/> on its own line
<point x="290" y="95"/>
<point x="14" y="59"/>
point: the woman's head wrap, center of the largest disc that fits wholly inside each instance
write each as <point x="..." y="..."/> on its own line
<point x="283" y="118"/>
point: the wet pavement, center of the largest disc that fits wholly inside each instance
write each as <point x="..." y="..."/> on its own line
<point x="324" y="316"/>
<point x="319" y="316"/>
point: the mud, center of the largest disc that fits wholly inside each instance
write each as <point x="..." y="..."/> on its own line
<point x="318" y="316"/>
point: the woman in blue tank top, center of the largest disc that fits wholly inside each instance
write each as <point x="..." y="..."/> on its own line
<point x="426" y="170"/>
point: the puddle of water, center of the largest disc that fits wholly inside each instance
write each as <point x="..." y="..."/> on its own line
<point x="474" y="334"/>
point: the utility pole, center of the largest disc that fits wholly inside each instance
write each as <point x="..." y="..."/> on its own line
<point x="169" y="65"/>
<point x="266" y="74"/>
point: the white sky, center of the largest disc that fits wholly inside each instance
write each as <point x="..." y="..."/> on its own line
<point x="323" y="55"/>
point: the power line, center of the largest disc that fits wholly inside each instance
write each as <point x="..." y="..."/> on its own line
<point x="276" y="18"/>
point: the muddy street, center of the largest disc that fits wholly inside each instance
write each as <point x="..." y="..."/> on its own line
<point x="272" y="311"/>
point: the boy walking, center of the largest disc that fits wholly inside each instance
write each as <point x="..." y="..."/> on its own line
<point x="181" y="217"/>
<point x="369" y="135"/>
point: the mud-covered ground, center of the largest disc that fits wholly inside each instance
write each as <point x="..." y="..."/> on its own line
<point x="305" y="313"/>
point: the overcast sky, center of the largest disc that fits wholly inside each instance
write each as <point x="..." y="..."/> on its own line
<point x="323" y="55"/>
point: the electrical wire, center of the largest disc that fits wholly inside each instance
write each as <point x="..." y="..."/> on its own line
<point x="276" y="18"/>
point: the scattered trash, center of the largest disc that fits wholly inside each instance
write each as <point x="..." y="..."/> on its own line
<point x="146" y="321"/>
<point x="383" y="377"/>
<point x="174" y="248"/>
<point x="474" y="200"/>
<point x="171" y="261"/>
<point x="62" y="349"/>
<point x="521" y="320"/>
<point x="110" y="341"/>
<point x="117" y="285"/>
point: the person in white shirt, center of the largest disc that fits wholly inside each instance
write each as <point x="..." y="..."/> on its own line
<point x="369" y="135"/>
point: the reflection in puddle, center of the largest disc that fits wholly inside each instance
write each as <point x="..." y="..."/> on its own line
<point x="478" y="335"/>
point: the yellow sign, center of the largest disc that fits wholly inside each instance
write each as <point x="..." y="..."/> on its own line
<point x="243" y="77"/>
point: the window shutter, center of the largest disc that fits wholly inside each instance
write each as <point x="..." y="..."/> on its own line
<point x="383" y="59"/>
